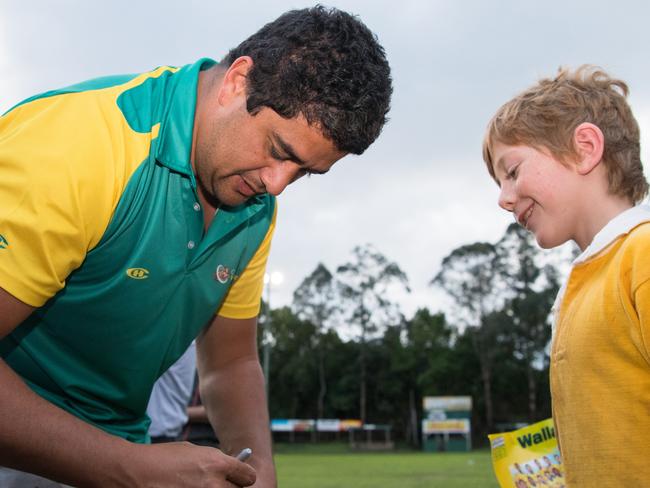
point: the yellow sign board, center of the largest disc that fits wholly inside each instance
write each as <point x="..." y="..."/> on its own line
<point x="449" y="426"/>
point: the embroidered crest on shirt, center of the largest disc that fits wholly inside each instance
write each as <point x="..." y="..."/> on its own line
<point x="222" y="274"/>
<point x="3" y="242"/>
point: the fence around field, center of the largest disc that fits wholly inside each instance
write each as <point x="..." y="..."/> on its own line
<point x="359" y="436"/>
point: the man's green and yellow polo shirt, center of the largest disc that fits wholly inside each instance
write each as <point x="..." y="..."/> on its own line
<point x="101" y="229"/>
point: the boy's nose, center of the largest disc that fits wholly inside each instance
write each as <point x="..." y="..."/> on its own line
<point x="507" y="198"/>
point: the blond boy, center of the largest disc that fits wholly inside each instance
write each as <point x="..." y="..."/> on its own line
<point x="565" y="154"/>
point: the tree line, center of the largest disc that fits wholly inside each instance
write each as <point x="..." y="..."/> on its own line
<point x="344" y="349"/>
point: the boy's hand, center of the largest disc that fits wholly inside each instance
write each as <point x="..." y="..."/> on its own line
<point x="181" y="464"/>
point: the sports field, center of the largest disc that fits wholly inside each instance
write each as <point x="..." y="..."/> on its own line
<point x="318" y="466"/>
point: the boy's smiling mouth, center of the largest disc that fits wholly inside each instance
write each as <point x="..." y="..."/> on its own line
<point x="523" y="217"/>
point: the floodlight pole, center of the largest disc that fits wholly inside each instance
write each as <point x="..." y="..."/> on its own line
<point x="274" y="278"/>
<point x="266" y="351"/>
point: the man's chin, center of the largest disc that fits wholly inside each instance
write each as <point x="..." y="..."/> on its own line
<point x="234" y="200"/>
<point x="220" y="197"/>
<point x="229" y="197"/>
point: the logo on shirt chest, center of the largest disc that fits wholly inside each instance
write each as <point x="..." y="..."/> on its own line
<point x="3" y="242"/>
<point x="222" y="274"/>
<point x="137" y="273"/>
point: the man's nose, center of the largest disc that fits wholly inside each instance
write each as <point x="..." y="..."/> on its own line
<point x="507" y="197"/>
<point x="278" y="176"/>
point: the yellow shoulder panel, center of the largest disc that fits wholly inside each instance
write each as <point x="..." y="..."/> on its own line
<point x="65" y="161"/>
<point x="243" y="299"/>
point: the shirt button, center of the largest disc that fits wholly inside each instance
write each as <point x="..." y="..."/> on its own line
<point x="190" y="245"/>
<point x="197" y="206"/>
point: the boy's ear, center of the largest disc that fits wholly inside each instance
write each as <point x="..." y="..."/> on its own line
<point x="234" y="82"/>
<point x="589" y="143"/>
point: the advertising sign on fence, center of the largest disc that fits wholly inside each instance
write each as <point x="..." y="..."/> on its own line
<point x="309" y="425"/>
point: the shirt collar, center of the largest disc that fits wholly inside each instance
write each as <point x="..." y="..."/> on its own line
<point x="175" y="139"/>
<point x="620" y="225"/>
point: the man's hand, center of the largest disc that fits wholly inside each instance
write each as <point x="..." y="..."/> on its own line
<point x="181" y="464"/>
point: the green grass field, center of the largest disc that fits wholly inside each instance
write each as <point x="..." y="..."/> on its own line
<point x="334" y="466"/>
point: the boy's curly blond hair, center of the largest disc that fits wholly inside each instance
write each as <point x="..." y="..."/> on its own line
<point x="546" y="115"/>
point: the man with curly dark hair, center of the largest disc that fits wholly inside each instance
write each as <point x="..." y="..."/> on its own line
<point x="136" y="213"/>
<point x="344" y="91"/>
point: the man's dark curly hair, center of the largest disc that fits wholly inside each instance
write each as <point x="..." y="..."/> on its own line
<point x="324" y="64"/>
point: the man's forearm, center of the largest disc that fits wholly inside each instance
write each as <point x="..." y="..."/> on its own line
<point x="235" y="401"/>
<point x="38" y="437"/>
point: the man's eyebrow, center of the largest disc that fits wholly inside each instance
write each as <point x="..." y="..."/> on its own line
<point x="290" y="153"/>
<point x="287" y="149"/>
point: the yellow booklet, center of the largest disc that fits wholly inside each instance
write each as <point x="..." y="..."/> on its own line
<point x="528" y="457"/>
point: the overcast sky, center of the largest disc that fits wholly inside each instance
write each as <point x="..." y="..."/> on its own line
<point x="421" y="190"/>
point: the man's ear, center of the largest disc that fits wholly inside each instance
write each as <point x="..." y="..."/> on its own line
<point x="589" y="143"/>
<point x="234" y="81"/>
